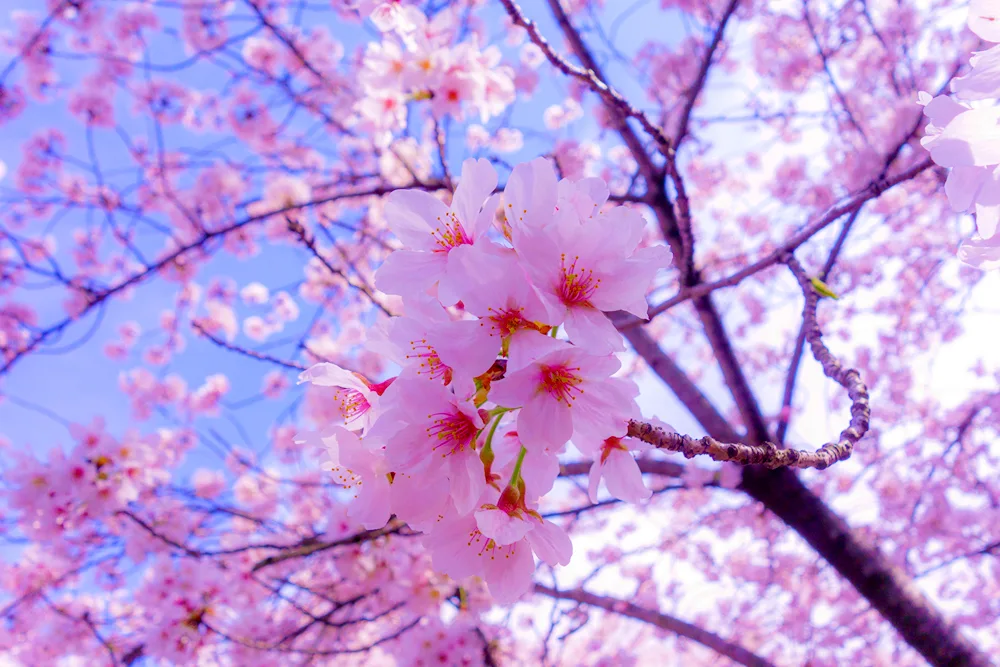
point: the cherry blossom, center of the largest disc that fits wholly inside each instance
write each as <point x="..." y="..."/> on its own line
<point x="491" y="239"/>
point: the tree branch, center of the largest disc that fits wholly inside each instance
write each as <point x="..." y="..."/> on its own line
<point x="702" y="77"/>
<point x="660" y="620"/>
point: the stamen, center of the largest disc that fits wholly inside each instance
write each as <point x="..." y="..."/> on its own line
<point x="453" y="431"/>
<point x="508" y="320"/>
<point x="430" y="363"/>
<point x="351" y="404"/>
<point x="449" y="233"/>
<point x="577" y="286"/>
<point x="562" y="382"/>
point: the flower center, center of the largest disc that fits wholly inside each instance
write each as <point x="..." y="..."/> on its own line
<point x="453" y="431"/>
<point x="351" y="403"/>
<point x="576" y="285"/>
<point x="508" y="320"/>
<point x="562" y="382"/>
<point x="430" y="363"/>
<point x="450" y="234"/>
<point x="610" y="445"/>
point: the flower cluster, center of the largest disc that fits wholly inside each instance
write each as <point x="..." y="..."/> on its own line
<point x="506" y="355"/>
<point x="966" y="139"/>
<point x="97" y="477"/>
<point x="419" y="59"/>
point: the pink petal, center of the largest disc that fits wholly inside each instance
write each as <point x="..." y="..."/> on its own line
<point x="410" y="274"/>
<point x="509" y="572"/>
<point x="529" y="346"/>
<point x="941" y="110"/>
<point x="332" y="375"/>
<point x="476" y="184"/>
<point x="467" y="478"/>
<point x="594" y="479"/>
<point x="501" y="527"/>
<point x="530" y="195"/>
<point x="971" y="138"/>
<point x="623" y="478"/>
<point x="984" y="19"/>
<point x="516" y="388"/>
<point x="470" y="347"/>
<point x="551" y="543"/>
<point x="544" y="422"/>
<point x="371" y="507"/>
<point x="987" y="218"/>
<point x="963" y="185"/>
<point x="592" y="330"/>
<point x="455" y="547"/>
<point x="418" y="499"/>
<point x="412" y="216"/>
<point x="980" y="253"/>
<point x="983" y="82"/>
<point x="541" y="468"/>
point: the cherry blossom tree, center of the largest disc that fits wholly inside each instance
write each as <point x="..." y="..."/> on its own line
<point x="499" y="333"/>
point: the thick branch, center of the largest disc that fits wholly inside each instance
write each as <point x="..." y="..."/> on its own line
<point x="769" y="454"/>
<point x="660" y="620"/>
<point x="887" y="589"/>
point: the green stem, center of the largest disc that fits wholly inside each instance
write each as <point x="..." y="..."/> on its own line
<point x="499" y="410"/>
<point x="488" y="447"/>
<point x="515" y="476"/>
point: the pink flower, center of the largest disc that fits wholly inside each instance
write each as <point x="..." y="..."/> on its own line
<point x="460" y="549"/>
<point x="430" y="345"/>
<point x="979" y="187"/>
<point x="619" y="470"/>
<point x="431" y="434"/>
<point x="455" y="88"/>
<point x="584" y="261"/>
<point x="981" y="253"/>
<point x="961" y="138"/>
<point x="529" y="197"/>
<point x="432" y="232"/>
<point x="391" y="15"/>
<point x="208" y="483"/>
<point x="364" y="472"/>
<point x="497" y="291"/>
<point x="357" y="401"/>
<point x="505" y="522"/>
<point x="565" y="392"/>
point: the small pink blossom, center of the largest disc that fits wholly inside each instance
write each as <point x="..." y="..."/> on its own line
<point x="365" y="473"/>
<point x="619" y="471"/>
<point x="357" y="401"/>
<point x="432" y="232"/>
<point x="565" y="392"/>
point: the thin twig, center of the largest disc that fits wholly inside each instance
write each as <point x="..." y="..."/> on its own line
<point x="660" y="620"/>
